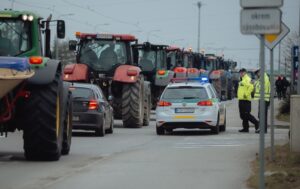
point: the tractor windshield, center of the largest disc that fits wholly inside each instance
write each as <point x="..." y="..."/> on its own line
<point x="102" y="55"/>
<point x="210" y="64"/>
<point x="175" y="59"/>
<point x="152" y="60"/>
<point x="147" y="60"/>
<point x="14" y="37"/>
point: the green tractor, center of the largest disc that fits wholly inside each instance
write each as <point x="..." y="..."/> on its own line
<point x="33" y="96"/>
<point x="152" y="60"/>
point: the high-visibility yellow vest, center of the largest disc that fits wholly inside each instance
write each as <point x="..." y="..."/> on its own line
<point x="245" y="88"/>
<point x="267" y="88"/>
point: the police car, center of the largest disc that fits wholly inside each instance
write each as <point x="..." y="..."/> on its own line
<point x="190" y="103"/>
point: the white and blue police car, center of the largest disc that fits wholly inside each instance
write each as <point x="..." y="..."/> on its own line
<point x="190" y="103"/>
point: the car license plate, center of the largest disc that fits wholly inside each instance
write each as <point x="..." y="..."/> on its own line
<point x="75" y="118"/>
<point x="184" y="110"/>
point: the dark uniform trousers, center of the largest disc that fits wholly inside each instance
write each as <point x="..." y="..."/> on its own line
<point x="245" y="109"/>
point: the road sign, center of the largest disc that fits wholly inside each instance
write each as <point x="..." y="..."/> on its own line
<point x="271" y="40"/>
<point x="261" y="3"/>
<point x="260" y="21"/>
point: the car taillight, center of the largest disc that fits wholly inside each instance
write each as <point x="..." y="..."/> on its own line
<point x="205" y="103"/>
<point x="164" y="103"/>
<point x="93" y="105"/>
<point x="35" y="60"/>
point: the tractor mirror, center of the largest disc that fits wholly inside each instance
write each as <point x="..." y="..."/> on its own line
<point x="72" y="45"/>
<point x="61" y="30"/>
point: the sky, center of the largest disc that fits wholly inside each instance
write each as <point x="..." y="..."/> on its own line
<point x="170" y="22"/>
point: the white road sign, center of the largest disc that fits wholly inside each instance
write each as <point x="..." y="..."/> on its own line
<point x="260" y="3"/>
<point x="260" y="21"/>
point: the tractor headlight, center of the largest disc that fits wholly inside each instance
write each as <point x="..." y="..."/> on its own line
<point x="24" y="17"/>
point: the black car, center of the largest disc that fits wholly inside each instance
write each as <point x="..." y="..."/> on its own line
<point x="91" y="110"/>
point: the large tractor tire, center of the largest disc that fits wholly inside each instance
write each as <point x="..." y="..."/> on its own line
<point x="147" y="104"/>
<point x="42" y="121"/>
<point x="133" y="104"/>
<point x="67" y="120"/>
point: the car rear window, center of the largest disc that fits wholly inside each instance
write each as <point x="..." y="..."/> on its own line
<point x="79" y="92"/>
<point x="185" y="93"/>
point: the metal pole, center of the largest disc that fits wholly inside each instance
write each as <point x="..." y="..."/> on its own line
<point x="285" y="67"/>
<point x="279" y="60"/>
<point x="56" y="47"/>
<point x="199" y="4"/>
<point x="298" y="80"/>
<point x="272" y="103"/>
<point x="12" y="4"/>
<point x="262" y="114"/>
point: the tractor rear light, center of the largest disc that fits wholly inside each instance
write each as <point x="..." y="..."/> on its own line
<point x="161" y="72"/>
<point x="180" y="70"/>
<point x="132" y="72"/>
<point x="216" y="72"/>
<point x="69" y="69"/>
<point x="164" y="103"/>
<point x="35" y="60"/>
<point x="93" y="105"/>
<point x="205" y="103"/>
<point x="192" y="70"/>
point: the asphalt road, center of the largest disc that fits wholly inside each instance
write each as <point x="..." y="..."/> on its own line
<point x="139" y="159"/>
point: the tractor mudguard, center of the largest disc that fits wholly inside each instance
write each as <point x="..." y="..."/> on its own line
<point x="45" y="75"/>
<point x="163" y="78"/>
<point x="127" y="74"/>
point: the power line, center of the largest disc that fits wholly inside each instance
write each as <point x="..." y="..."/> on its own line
<point x="99" y="13"/>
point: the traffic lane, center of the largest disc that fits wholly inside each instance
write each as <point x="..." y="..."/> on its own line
<point x="86" y="150"/>
<point x="91" y="153"/>
<point x="176" y="161"/>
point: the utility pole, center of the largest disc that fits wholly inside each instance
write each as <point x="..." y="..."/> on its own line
<point x="298" y="79"/>
<point x="199" y="4"/>
<point x="12" y="4"/>
<point x="279" y="58"/>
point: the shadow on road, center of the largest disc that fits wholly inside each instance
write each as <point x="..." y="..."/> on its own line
<point x="12" y="156"/>
<point x="190" y="132"/>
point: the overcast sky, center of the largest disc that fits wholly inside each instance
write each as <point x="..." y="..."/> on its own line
<point x="170" y="22"/>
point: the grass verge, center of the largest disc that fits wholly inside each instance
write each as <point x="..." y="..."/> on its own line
<point x="283" y="173"/>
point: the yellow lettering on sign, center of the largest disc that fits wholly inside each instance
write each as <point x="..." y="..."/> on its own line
<point x="271" y="37"/>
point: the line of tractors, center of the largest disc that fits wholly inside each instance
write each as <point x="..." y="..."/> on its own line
<point x="34" y="89"/>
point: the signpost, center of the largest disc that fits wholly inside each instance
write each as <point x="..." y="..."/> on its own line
<point x="262" y="17"/>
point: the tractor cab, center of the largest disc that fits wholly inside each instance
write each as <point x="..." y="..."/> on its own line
<point x="103" y="53"/>
<point x="174" y="57"/>
<point x="151" y="58"/>
<point x="21" y="34"/>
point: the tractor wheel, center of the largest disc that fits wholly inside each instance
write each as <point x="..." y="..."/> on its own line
<point x="147" y="106"/>
<point x="41" y="118"/>
<point x="133" y="104"/>
<point x="68" y="114"/>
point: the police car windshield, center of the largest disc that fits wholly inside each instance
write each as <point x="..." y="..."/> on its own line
<point x="187" y="92"/>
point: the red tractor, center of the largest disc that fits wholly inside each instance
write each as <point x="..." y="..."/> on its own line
<point x="107" y="60"/>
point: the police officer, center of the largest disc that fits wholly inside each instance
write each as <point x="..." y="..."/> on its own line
<point x="245" y="89"/>
<point x="267" y="91"/>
